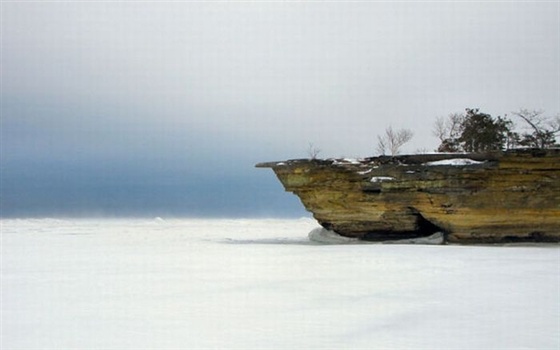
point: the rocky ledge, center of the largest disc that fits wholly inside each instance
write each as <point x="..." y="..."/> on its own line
<point x="511" y="196"/>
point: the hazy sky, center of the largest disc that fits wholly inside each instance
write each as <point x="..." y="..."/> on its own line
<point x="163" y="108"/>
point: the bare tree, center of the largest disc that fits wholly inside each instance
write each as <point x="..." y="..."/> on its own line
<point x="393" y="140"/>
<point x="544" y="129"/>
<point x="448" y="128"/>
<point x="313" y="151"/>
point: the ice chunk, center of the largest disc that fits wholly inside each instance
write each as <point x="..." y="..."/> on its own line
<point x="322" y="235"/>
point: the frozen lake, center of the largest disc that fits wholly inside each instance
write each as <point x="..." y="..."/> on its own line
<point x="261" y="284"/>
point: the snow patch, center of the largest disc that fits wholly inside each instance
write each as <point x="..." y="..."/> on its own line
<point x="346" y="161"/>
<point x="454" y="162"/>
<point x="381" y="178"/>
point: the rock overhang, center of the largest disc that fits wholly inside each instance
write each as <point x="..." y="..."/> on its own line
<point x="473" y="198"/>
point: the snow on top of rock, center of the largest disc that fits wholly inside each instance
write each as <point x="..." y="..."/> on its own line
<point x="381" y="178"/>
<point x="346" y="161"/>
<point x="454" y="162"/>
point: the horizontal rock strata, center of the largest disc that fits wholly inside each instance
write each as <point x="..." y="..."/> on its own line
<point x="509" y="196"/>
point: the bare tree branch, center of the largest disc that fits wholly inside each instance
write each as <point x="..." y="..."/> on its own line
<point x="440" y="129"/>
<point x="533" y="118"/>
<point x="381" y="145"/>
<point x="544" y="128"/>
<point x="454" y="122"/>
<point x="555" y="125"/>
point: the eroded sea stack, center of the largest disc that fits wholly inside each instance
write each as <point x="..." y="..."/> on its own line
<point x="500" y="197"/>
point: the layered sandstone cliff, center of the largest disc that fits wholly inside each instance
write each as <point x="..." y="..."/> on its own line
<point x="512" y="196"/>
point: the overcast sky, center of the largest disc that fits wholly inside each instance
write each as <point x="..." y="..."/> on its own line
<point x="162" y="108"/>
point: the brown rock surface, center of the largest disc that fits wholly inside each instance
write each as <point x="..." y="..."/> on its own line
<point x="512" y="196"/>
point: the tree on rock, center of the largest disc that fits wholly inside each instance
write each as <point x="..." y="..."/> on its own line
<point x="482" y="133"/>
<point x="473" y="131"/>
<point x="448" y="132"/>
<point x="393" y="140"/>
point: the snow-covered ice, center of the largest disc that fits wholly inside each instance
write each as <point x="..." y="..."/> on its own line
<point x="262" y="284"/>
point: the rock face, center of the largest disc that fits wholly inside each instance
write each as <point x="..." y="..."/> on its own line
<point x="511" y="196"/>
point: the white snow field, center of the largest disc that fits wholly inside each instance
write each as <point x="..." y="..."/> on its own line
<point x="261" y="284"/>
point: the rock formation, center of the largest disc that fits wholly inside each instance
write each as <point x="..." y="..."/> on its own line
<point x="511" y="196"/>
